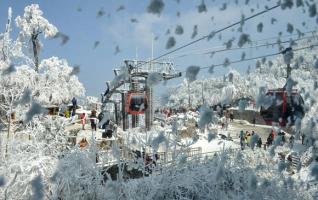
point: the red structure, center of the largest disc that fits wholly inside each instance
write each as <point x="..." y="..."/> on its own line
<point x="137" y="103"/>
<point x="285" y="107"/>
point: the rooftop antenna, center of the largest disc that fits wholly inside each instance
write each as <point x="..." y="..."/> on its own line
<point x="136" y="55"/>
<point x="152" y="37"/>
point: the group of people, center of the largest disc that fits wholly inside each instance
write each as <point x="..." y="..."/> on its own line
<point x="250" y="139"/>
<point x="71" y="113"/>
<point x="93" y="120"/>
<point x="229" y="117"/>
<point x="272" y="135"/>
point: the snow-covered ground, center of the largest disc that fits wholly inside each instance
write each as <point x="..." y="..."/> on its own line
<point x="199" y="158"/>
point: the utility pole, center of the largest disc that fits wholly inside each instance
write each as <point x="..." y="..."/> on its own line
<point x="189" y="100"/>
<point x="202" y="92"/>
<point x="289" y="51"/>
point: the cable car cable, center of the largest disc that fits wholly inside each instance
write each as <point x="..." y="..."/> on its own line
<point x="259" y="57"/>
<point x="212" y="34"/>
<point x="242" y="48"/>
<point x="255" y="41"/>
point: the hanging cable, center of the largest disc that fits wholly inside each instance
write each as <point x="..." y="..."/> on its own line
<point x="211" y="34"/>
<point x="242" y="48"/>
<point x="210" y="50"/>
<point x="259" y="57"/>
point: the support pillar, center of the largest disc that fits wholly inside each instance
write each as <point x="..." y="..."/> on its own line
<point x="116" y="113"/>
<point x="149" y="111"/>
<point x="123" y="111"/>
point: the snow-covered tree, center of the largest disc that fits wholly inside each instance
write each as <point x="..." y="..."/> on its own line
<point x="31" y="25"/>
<point x="56" y="85"/>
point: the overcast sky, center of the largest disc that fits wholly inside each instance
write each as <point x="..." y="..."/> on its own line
<point x="78" y="19"/>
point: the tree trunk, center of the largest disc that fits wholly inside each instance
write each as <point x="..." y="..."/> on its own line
<point x="34" y="39"/>
<point x="8" y="134"/>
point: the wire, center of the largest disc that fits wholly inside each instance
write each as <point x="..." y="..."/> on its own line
<point x="212" y="34"/>
<point x="252" y="42"/>
<point x="259" y="57"/>
<point x="209" y="51"/>
<point x="242" y="48"/>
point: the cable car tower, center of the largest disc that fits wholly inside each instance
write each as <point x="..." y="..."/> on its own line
<point x="136" y="95"/>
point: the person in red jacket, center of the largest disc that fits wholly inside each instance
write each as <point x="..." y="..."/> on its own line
<point x="83" y="120"/>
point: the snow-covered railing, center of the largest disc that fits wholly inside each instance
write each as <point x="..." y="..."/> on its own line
<point x="166" y="157"/>
<point x="200" y="157"/>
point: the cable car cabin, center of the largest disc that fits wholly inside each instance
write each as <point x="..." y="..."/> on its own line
<point x="284" y="108"/>
<point x="137" y="103"/>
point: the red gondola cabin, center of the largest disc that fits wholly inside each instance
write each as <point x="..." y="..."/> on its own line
<point x="137" y="103"/>
<point x="284" y="109"/>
